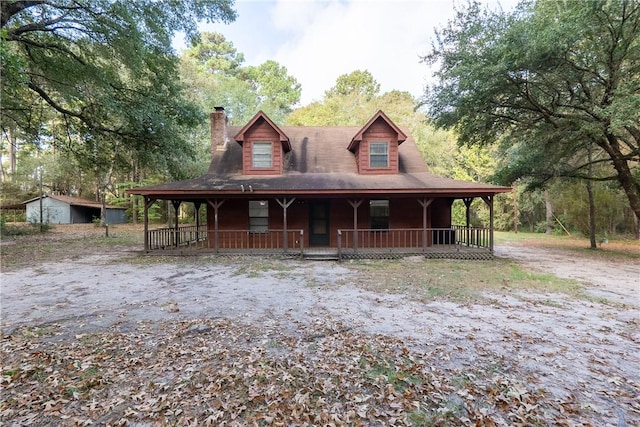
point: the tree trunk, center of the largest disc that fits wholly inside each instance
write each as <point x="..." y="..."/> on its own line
<point x="515" y="208"/>
<point x="624" y="175"/>
<point x="103" y="208"/>
<point x="3" y="172"/>
<point x="102" y="192"/>
<point x="12" y="151"/>
<point x="549" y="211"/>
<point x="592" y="204"/>
<point x="592" y="215"/>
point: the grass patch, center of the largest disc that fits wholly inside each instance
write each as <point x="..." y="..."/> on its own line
<point x="617" y="248"/>
<point x="258" y="267"/>
<point x="23" y="229"/>
<point x="67" y="241"/>
<point x="457" y="280"/>
<point x="41" y="331"/>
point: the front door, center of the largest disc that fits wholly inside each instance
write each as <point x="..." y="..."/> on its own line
<point x="319" y="223"/>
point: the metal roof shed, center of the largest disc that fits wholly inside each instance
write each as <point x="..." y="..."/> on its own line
<point x="58" y="209"/>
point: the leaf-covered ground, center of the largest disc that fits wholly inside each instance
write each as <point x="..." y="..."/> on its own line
<point x="216" y="372"/>
<point x="95" y="334"/>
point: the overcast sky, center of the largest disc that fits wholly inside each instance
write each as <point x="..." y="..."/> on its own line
<point x="317" y="41"/>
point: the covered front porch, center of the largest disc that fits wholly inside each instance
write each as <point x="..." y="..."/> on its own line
<point x="456" y="241"/>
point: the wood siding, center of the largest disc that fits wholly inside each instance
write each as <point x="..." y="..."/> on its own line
<point x="378" y="131"/>
<point x="441" y="216"/>
<point x="262" y="132"/>
<point x="404" y="213"/>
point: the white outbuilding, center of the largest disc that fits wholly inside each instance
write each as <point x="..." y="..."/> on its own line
<point x="71" y="210"/>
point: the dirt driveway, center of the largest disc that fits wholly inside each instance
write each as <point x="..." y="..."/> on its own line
<point x="580" y="357"/>
<point x="612" y="279"/>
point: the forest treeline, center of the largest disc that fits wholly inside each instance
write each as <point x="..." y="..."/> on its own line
<point x="545" y="98"/>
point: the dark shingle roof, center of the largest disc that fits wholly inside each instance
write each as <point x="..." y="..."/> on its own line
<point x="319" y="162"/>
<point x="315" y="149"/>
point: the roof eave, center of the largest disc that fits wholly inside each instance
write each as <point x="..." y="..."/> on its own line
<point x="439" y="192"/>
<point x="284" y="139"/>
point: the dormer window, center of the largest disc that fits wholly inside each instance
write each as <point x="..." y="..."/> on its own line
<point x="264" y="146"/>
<point x="262" y="154"/>
<point x="375" y="146"/>
<point x="379" y="154"/>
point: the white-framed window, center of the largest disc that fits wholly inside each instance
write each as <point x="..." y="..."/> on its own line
<point x="379" y="154"/>
<point x="379" y="213"/>
<point x="262" y="154"/>
<point x="259" y="216"/>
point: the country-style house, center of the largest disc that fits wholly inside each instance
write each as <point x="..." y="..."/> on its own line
<point x="336" y="191"/>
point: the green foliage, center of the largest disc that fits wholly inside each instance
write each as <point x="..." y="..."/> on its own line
<point x="212" y="71"/>
<point x="357" y="83"/>
<point x="556" y="85"/>
<point x="438" y="147"/>
<point x="215" y="54"/>
<point x="277" y="90"/>
<point x="12" y="215"/>
<point x="21" y="229"/>
<point x="97" y="79"/>
<point x="348" y="104"/>
<point x="7" y="230"/>
<point x="136" y="203"/>
<point x="213" y="74"/>
<point x="356" y="108"/>
<point x="613" y="216"/>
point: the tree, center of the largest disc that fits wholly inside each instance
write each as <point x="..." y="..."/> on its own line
<point x="357" y="82"/>
<point x="103" y="68"/>
<point x="215" y="54"/>
<point x="350" y="105"/>
<point x="549" y="82"/>
<point x="98" y="79"/>
<point x="351" y="101"/>
<point x="277" y="91"/>
<point x="213" y="71"/>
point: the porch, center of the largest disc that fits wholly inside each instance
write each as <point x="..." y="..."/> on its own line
<point x="457" y="242"/>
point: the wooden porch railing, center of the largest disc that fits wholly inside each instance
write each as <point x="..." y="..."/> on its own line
<point x="476" y="237"/>
<point x="227" y="240"/>
<point x="170" y="237"/>
<point x="380" y="239"/>
<point x="267" y="241"/>
<point x="413" y="239"/>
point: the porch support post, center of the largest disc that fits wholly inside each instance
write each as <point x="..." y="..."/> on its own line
<point x="355" y="204"/>
<point x="425" y="204"/>
<point x="489" y="201"/>
<point x="176" y="207"/>
<point x="215" y="204"/>
<point x="467" y="202"/>
<point x="285" y="204"/>
<point x="196" y="205"/>
<point x="148" y="201"/>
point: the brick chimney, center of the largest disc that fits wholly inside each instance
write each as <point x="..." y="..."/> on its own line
<point x="218" y="130"/>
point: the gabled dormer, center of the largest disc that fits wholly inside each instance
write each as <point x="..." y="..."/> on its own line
<point x="263" y="146"/>
<point x="376" y="146"/>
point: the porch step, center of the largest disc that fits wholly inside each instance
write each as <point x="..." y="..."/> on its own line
<point x="321" y="255"/>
